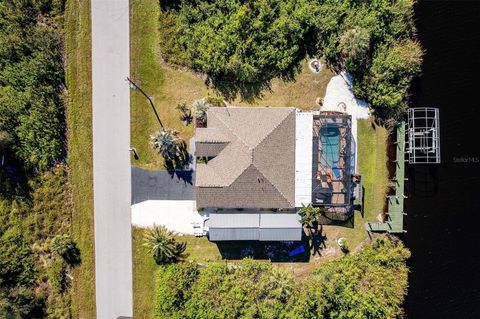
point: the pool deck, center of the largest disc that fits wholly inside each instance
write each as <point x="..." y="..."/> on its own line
<point x="395" y="214"/>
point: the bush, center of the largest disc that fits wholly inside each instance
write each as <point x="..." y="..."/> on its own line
<point x="31" y="84"/>
<point x="16" y="262"/>
<point x="173" y="288"/>
<point x="66" y="248"/>
<point x="50" y="213"/>
<point x="20" y="302"/>
<point x="57" y="276"/>
<point x="369" y="284"/>
<point x="387" y="82"/>
<point x="162" y="245"/>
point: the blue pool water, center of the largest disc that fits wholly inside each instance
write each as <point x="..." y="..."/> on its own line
<point x="330" y="139"/>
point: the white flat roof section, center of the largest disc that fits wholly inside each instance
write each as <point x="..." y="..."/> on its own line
<point x="303" y="157"/>
<point x="255" y="226"/>
<point x="111" y="158"/>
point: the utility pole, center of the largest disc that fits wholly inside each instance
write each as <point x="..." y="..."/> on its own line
<point x="136" y="87"/>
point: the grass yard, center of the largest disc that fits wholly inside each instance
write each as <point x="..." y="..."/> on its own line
<point x="168" y="86"/>
<point x="79" y="120"/>
<point x="164" y="85"/>
<point x="302" y="93"/>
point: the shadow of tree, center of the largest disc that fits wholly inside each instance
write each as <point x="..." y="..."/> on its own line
<point x="317" y="241"/>
<point x="230" y="87"/>
<point x="269" y="250"/>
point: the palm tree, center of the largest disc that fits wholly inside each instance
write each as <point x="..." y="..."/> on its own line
<point x="309" y="215"/>
<point x="167" y="143"/>
<point x="162" y="244"/>
<point x="200" y="108"/>
<point x="64" y="246"/>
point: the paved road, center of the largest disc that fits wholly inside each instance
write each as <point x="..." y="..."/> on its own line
<point x="162" y="185"/>
<point x="111" y="158"/>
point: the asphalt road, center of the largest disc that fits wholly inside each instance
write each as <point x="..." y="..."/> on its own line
<point x="111" y="158"/>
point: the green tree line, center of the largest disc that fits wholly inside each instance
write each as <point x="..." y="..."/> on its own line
<point x="369" y="284"/>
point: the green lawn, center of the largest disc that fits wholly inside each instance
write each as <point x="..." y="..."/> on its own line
<point x="164" y="85"/>
<point x="79" y="120"/>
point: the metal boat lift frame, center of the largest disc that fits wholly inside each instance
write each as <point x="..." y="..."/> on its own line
<point x="423" y="132"/>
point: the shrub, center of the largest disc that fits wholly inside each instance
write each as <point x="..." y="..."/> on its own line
<point x="16" y="260"/>
<point x="387" y="82"/>
<point x="369" y="284"/>
<point x="200" y="108"/>
<point x="354" y="45"/>
<point x="65" y="247"/>
<point x="173" y="288"/>
<point x="57" y="276"/>
<point x="185" y="113"/>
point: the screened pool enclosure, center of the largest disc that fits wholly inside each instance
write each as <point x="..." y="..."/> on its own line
<point x="332" y="162"/>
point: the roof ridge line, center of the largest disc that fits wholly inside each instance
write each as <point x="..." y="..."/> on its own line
<point x="283" y="195"/>
<point x="273" y="130"/>
<point x="238" y="137"/>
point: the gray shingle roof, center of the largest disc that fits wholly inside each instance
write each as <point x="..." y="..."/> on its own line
<point x="256" y="166"/>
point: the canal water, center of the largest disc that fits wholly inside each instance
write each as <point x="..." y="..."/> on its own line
<point x="443" y="222"/>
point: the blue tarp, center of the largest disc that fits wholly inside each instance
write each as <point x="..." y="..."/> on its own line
<point x="296" y="251"/>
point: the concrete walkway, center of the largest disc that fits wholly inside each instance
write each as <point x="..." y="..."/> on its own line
<point x="111" y="158"/>
<point x="339" y="97"/>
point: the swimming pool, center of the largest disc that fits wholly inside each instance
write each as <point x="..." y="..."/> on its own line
<point x="330" y="139"/>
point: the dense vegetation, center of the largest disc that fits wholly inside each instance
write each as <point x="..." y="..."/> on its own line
<point x="31" y="81"/>
<point x="34" y="195"/>
<point x="242" y="45"/>
<point x="368" y="284"/>
<point x="34" y="263"/>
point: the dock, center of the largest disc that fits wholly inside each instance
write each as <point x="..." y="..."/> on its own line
<point x="396" y="212"/>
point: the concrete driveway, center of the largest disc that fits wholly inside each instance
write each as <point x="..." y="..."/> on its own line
<point x="177" y="215"/>
<point x="111" y="158"/>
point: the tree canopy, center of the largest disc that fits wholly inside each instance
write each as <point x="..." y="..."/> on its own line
<point x="31" y="82"/>
<point x="369" y="284"/>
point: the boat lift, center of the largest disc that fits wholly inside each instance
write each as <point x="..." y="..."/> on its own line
<point x="423" y="136"/>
